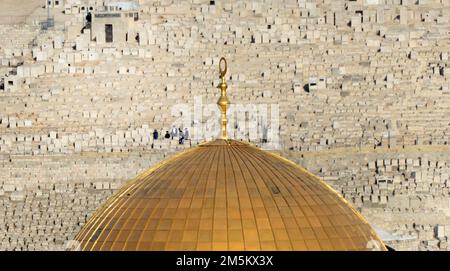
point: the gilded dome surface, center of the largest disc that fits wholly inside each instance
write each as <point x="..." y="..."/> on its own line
<point x="227" y="195"/>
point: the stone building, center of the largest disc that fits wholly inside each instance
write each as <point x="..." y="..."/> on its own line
<point x="115" y="23"/>
<point x="244" y="199"/>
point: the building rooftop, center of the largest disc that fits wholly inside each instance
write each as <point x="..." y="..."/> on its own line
<point x="227" y="195"/>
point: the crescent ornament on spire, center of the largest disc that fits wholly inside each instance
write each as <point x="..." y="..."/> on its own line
<point x="223" y="101"/>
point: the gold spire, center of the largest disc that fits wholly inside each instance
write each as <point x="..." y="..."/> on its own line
<point x="223" y="101"/>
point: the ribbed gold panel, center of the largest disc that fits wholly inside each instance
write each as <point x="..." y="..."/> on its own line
<point x="226" y="196"/>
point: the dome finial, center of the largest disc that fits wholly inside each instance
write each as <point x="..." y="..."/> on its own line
<point x="223" y="101"/>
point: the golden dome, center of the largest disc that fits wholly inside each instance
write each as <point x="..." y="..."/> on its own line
<point x="227" y="195"/>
